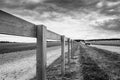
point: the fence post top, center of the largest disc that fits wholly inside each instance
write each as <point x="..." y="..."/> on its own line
<point x="62" y="35"/>
<point x="41" y="25"/>
<point x="68" y="39"/>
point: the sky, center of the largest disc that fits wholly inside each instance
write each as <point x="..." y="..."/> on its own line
<point x="76" y="19"/>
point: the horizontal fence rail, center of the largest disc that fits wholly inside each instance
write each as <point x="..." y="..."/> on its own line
<point x="53" y="35"/>
<point x="12" y="25"/>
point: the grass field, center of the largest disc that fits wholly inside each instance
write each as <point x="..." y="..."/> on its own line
<point x="90" y="69"/>
<point x="107" y="42"/>
<point x="109" y="48"/>
<point x="107" y="61"/>
<point x="18" y="60"/>
<point x="13" y="47"/>
<point x="21" y="65"/>
<point x="93" y="63"/>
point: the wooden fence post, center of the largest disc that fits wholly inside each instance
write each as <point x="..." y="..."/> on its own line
<point x="63" y="55"/>
<point x="69" y="51"/>
<point x="71" y="48"/>
<point x="41" y="53"/>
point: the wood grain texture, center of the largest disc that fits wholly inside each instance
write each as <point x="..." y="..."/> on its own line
<point x="53" y="35"/>
<point x="41" y="53"/>
<point x="12" y="25"/>
<point x="63" y="55"/>
<point x="71" y="48"/>
<point x="69" y="54"/>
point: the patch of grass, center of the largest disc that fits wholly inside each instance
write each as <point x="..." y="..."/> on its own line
<point x="14" y="47"/>
<point x="110" y="63"/>
<point x="91" y="70"/>
<point x="111" y="56"/>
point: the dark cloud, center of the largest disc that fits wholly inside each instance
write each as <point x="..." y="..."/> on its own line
<point x="63" y="6"/>
<point x="73" y="5"/>
<point x="12" y="4"/>
<point x="110" y="7"/>
<point x="111" y="25"/>
<point x="66" y="7"/>
<point x="66" y="4"/>
<point x="112" y="0"/>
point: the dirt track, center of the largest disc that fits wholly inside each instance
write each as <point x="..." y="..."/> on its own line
<point x="106" y="64"/>
<point x="90" y="63"/>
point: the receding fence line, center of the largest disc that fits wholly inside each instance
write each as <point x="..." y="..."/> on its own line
<point x="12" y="25"/>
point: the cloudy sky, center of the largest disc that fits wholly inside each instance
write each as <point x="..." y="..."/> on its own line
<point x="77" y="19"/>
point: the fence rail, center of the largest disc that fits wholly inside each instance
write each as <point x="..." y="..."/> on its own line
<point x="12" y="25"/>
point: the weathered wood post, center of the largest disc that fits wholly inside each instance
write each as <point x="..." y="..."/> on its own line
<point x="71" y="48"/>
<point x="41" y="52"/>
<point x="63" y="55"/>
<point x="74" y="47"/>
<point x="69" y="51"/>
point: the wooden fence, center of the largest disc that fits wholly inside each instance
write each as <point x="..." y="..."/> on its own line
<point x="12" y="25"/>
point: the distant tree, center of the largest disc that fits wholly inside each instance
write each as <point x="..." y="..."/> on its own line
<point x="4" y="41"/>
